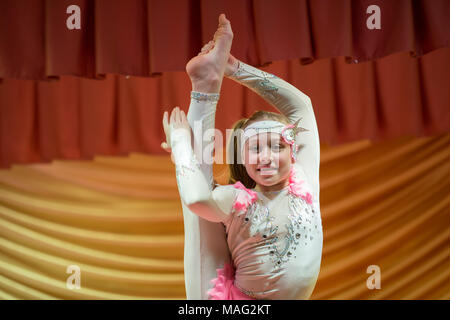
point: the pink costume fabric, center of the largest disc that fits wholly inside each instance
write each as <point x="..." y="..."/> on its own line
<point x="224" y="287"/>
<point x="224" y="284"/>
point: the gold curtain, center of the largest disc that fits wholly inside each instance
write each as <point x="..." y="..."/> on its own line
<point x="119" y="219"/>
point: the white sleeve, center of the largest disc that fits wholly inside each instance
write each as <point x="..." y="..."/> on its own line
<point x="294" y="104"/>
<point x="205" y="244"/>
<point x="195" y="191"/>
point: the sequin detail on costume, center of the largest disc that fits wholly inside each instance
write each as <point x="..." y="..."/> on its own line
<point x="200" y="96"/>
<point x="264" y="87"/>
<point x="247" y="292"/>
<point x="258" y="219"/>
<point x="185" y="169"/>
<point x="285" y="249"/>
<point x="267" y="89"/>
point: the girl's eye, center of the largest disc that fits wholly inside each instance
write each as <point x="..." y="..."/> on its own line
<point x="254" y="148"/>
<point x="277" y="147"/>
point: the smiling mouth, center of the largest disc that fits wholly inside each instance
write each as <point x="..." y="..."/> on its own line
<point x="267" y="171"/>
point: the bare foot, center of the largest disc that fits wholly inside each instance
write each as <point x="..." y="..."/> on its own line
<point x="210" y="64"/>
<point x="232" y="62"/>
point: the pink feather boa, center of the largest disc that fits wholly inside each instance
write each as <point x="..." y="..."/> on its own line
<point x="244" y="199"/>
<point x="224" y="288"/>
<point x="296" y="188"/>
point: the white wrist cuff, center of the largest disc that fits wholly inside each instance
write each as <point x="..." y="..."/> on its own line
<point x="201" y="96"/>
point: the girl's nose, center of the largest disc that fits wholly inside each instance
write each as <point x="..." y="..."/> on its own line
<point x="265" y="156"/>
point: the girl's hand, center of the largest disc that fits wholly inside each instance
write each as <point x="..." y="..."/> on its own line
<point x="232" y="63"/>
<point x="177" y="121"/>
<point x="206" y="70"/>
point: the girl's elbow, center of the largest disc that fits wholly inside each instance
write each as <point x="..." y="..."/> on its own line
<point x="195" y="201"/>
<point x="203" y="209"/>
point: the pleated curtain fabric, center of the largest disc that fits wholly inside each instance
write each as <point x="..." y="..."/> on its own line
<point x="148" y="37"/>
<point x="78" y="118"/>
<point x="118" y="222"/>
<point x="84" y="184"/>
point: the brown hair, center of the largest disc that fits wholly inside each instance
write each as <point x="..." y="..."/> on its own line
<point x="237" y="170"/>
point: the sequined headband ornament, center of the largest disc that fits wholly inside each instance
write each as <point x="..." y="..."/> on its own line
<point x="287" y="132"/>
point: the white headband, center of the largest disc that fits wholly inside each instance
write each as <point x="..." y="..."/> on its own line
<point x="262" y="127"/>
<point x="287" y="132"/>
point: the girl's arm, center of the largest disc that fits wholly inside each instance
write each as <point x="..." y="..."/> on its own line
<point x="291" y="102"/>
<point x="194" y="188"/>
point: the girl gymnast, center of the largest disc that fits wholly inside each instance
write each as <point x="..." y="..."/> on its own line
<point x="269" y="241"/>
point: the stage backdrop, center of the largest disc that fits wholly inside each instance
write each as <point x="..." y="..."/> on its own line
<point x="147" y="37"/>
<point x="118" y="219"/>
<point x="76" y="118"/>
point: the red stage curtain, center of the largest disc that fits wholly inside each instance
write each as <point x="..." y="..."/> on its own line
<point x="78" y="118"/>
<point x="148" y="37"/>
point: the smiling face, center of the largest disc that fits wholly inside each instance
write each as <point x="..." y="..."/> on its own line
<point x="268" y="160"/>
